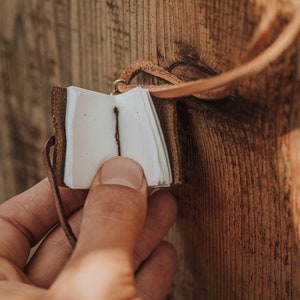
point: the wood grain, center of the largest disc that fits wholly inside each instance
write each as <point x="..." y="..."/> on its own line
<point x="237" y="232"/>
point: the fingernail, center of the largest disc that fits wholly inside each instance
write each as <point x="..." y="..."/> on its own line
<point x="121" y="171"/>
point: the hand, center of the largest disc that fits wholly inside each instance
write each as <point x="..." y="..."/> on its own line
<point x="119" y="254"/>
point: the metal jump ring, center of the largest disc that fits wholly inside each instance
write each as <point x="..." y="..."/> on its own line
<point x="115" y="85"/>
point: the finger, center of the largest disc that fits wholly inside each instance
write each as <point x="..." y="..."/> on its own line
<point x="56" y="250"/>
<point x="26" y="218"/>
<point x="155" y="277"/>
<point x="161" y="214"/>
<point x="113" y="217"/>
<point x="51" y="256"/>
<point x="10" y="290"/>
<point x="9" y="272"/>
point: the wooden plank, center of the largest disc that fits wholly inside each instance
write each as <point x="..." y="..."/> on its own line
<point x="237" y="229"/>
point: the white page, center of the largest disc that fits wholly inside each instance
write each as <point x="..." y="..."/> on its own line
<point x="90" y="135"/>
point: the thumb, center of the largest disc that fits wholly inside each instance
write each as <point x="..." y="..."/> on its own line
<point x="113" y="217"/>
<point x="115" y="208"/>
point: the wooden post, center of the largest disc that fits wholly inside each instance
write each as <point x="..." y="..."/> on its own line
<point x="237" y="230"/>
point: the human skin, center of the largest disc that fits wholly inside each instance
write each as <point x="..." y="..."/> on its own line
<point x="120" y="253"/>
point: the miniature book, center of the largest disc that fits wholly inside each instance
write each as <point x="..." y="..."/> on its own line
<point x="99" y="126"/>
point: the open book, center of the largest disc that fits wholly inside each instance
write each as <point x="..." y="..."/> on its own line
<point x="100" y="126"/>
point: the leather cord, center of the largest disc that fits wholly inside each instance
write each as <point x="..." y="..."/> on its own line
<point x="215" y="87"/>
<point x="55" y="190"/>
<point x="122" y="85"/>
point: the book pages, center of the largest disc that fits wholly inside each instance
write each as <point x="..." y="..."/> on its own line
<point x="100" y="126"/>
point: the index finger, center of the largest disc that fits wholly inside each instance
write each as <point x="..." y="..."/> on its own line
<point x="27" y="217"/>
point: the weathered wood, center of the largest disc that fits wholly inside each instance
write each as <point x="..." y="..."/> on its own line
<point x="237" y="230"/>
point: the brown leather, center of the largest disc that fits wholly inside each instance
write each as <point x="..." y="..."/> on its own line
<point x="58" y="105"/>
<point x="122" y="84"/>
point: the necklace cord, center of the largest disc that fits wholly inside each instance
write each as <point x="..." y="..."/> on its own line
<point x="216" y="86"/>
<point x="63" y="219"/>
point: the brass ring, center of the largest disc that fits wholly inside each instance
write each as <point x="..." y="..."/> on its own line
<point x="115" y="85"/>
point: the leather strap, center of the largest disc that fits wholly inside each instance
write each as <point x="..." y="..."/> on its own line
<point x="216" y="86"/>
<point x="122" y="85"/>
<point x="55" y="190"/>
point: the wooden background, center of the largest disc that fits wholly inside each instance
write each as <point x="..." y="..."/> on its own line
<point x="237" y="229"/>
